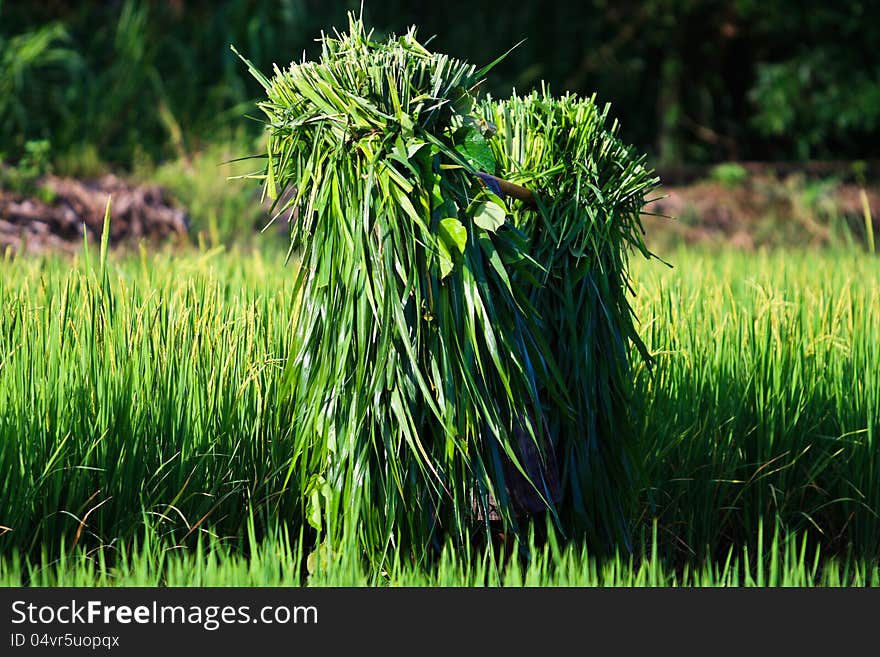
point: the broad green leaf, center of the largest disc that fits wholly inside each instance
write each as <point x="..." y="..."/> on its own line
<point x="317" y="489"/>
<point x="454" y="234"/>
<point x="489" y="215"/>
<point x="463" y="101"/>
<point x="444" y="259"/>
<point x="476" y="150"/>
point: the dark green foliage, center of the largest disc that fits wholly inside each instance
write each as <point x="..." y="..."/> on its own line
<point x="820" y="100"/>
<point x="693" y="81"/>
<point x="35" y="69"/>
<point x="23" y="178"/>
<point x="134" y="80"/>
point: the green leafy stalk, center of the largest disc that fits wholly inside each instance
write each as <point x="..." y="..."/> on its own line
<point x="425" y="386"/>
<point x="591" y="190"/>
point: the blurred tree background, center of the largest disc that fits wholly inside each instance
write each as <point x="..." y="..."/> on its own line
<point x="123" y="81"/>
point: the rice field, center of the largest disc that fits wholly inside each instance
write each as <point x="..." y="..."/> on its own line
<point x="142" y="440"/>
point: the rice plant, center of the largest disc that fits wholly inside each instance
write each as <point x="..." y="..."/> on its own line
<point x="140" y="411"/>
<point x="782" y="560"/>
<point x="140" y="392"/>
<point x="764" y="405"/>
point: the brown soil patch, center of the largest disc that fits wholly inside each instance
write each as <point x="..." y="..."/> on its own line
<point x="761" y="211"/>
<point x="67" y="207"/>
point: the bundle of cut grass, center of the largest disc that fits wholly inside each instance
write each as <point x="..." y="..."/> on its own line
<point x="449" y="348"/>
<point x="590" y="190"/>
